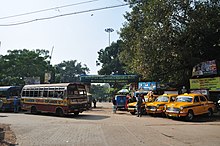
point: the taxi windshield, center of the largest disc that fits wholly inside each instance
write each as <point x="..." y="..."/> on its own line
<point x="184" y="99"/>
<point x="162" y="99"/>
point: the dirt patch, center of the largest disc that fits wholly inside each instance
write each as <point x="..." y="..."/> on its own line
<point x="7" y="136"/>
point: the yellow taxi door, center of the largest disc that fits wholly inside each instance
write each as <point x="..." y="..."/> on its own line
<point x="197" y="108"/>
<point x="204" y="103"/>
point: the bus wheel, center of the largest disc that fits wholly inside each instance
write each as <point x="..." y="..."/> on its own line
<point x="33" y="110"/>
<point x="76" y="113"/>
<point x="59" y="112"/>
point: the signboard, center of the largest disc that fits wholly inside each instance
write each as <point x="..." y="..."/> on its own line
<point x="200" y="91"/>
<point x="205" y="68"/>
<point x="108" y="78"/>
<point x="213" y="84"/>
<point x="149" y="86"/>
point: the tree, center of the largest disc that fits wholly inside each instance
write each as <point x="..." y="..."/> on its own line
<point x="100" y="92"/>
<point x="108" y="58"/>
<point x="70" y="71"/>
<point x="167" y="38"/>
<point x="19" y="64"/>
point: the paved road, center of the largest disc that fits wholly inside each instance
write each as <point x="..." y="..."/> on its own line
<point x="100" y="127"/>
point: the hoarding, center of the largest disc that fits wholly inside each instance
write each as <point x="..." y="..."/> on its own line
<point x="213" y="84"/>
<point x="149" y="86"/>
<point x="205" y="68"/>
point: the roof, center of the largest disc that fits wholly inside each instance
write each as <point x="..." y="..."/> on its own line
<point x="191" y="94"/>
<point x="52" y="85"/>
<point x="5" y="88"/>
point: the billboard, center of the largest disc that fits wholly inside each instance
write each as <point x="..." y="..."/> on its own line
<point x="212" y="84"/>
<point x="205" y="68"/>
<point x="149" y="86"/>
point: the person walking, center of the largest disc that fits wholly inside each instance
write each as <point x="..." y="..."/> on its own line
<point x="16" y="104"/>
<point x="94" y="102"/>
<point x="114" y="107"/>
<point x="139" y="104"/>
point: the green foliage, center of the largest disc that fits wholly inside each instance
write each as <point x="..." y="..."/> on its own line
<point x="109" y="60"/>
<point x="19" y="64"/>
<point x="100" y="92"/>
<point x="164" y="39"/>
<point x="70" y="71"/>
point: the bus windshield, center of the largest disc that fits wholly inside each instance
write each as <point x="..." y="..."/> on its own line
<point x="3" y="94"/>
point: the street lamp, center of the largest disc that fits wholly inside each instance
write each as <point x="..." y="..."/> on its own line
<point x="109" y="30"/>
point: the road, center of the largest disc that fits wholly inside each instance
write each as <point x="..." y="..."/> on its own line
<point x="100" y="127"/>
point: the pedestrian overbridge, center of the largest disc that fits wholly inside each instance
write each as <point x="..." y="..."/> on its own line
<point x="109" y="78"/>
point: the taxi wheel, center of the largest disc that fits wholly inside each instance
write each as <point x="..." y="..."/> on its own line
<point x="210" y="113"/>
<point x="76" y="113"/>
<point x="163" y="114"/>
<point x="190" y="115"/>
<point x="133" y="113"/>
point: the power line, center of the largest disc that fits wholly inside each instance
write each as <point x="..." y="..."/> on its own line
<point x="12" y="16"/>
<point x="68" y="14"/>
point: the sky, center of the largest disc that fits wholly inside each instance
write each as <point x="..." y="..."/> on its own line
<point x="72" y="37"/>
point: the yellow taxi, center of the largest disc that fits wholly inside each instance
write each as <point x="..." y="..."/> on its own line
<point x="189" y="105"/>
<point x="132" y="108"/>
<point x="157" y="107"/>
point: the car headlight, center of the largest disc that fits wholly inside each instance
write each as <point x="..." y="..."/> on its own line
<point x="181" y="108"/>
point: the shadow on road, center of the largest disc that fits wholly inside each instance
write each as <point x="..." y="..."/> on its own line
<point x="3" y="116"/>
<point x="90" y="117"/>
<point x="72" y="116"/>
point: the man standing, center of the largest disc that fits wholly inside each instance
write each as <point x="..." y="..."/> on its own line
<point x="114" y="105"/>
<point x="139" y="104"/>
<point x="94" y="102"/>
<point x="1" y="103"/>
<point x="16" y="104"/>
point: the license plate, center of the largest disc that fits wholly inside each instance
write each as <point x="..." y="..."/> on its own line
<point x="173" y="115"/>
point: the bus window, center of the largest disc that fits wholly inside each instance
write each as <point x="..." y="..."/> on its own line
<point x="36" y="93"/>
<point x="31" y="93"/>
<point x="50" y="94"/>
<point x="45" y="93"/>
<point x="76" y="93"/>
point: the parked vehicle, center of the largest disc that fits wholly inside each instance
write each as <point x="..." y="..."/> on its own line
<point x="121" y="102"/>
<point x="157" y="107"/>
<point x="189" y="105"/>
<point x="132" y="105"/>
<point x="8" y="95"/>
<point x="61" y="99"/>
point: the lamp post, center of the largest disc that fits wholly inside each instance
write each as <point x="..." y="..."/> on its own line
<point x="109" y="30"/>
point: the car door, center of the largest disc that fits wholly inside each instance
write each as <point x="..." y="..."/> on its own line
<point x="197" y="108"/>
<point x="204" y="104"/>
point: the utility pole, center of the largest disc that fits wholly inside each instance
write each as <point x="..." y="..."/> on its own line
<point x="109" y="30"/>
